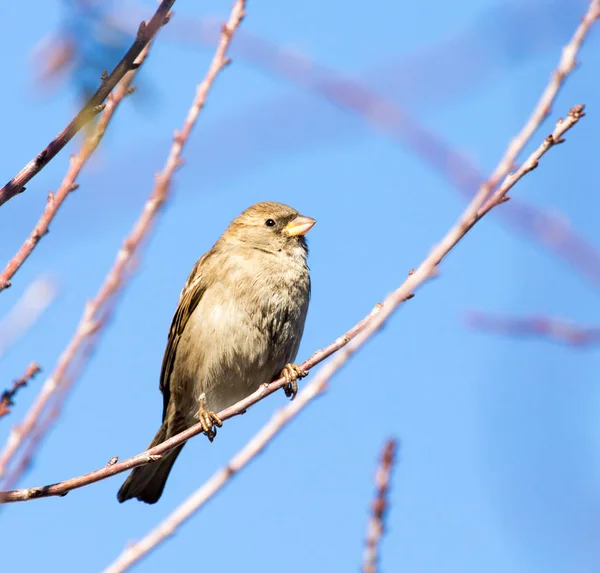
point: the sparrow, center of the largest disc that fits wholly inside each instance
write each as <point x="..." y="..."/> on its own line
<point x="238" y="324"/>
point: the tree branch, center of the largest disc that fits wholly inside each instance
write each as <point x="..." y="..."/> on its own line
<point x="98" y="311"/>
<point x="6" y="400"/>
<point x="55" y="200"/>
<point x="543" y="108"/>
<point x="375" y="528"/>
<point x="542" y="327"/>
<point x="349" y="343"/>
<point x="145" y="33"/>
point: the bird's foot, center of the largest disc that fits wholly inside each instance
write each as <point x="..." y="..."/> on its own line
<point x="291" y="373"/>
<point x="209" y="421"/>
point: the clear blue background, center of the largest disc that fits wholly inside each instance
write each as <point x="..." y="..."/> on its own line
<point x="499" y="467"/>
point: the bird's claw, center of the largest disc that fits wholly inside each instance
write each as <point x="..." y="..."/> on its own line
<point x="291" y="373"/>
<point x="209" y="421"/>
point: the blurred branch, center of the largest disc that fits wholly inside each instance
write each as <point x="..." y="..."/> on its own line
<point x="344" y="347"/>
<point x="6" y="400"/>
<point x="98" y="311"/>
<point x="380" y="504"/>
<point x="38" y="296"/>
<point x="552" y="329"/>
<point x="55" y="200"/>
<point x="145" y="34"/>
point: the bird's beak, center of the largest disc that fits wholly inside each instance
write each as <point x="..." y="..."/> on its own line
<point x="299" y="226"/>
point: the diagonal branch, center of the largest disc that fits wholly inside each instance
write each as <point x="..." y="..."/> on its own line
<point x="55" y="200"/>
<point x="473" y="213"/>
<point x="35" y="300"/>
<point x="543" y="108"/>
<point x="145" y="34"/>
<point x="349" y="343"/>
<point x="541" y="327"/>
<point x="99" y="310"/>
<point x="375" y="528"/>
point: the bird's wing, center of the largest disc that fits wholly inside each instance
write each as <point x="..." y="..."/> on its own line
<point x="189" y="298"/>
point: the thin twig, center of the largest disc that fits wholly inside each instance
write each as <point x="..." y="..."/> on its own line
<point x="543" y="108"/>
<point x="98" y="311"/>
<point x="541" y="327"/>
<point x="134" y="552"/>
<point x="55" y="200"/>
<point x="7" y="397"/>
<point x="376" y="525"/>
<point x="345" y="346"/>
<point x="145" y="34"/>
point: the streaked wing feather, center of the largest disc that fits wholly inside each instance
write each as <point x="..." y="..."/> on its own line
<point x="189" y="298"/>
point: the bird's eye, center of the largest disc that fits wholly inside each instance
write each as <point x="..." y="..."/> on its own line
<point x="270" y="223"/>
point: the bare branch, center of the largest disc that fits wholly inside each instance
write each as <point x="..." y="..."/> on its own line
<point x="543" y="108"/>
<point x="375" y="528"/>
<point x="6" y="400"/>
<point x="55" y="200"/>
<point x="145" y="33"/>
<point x="349" y="343"/>
<point x="98" y="311"/>
<point x="542" y="327"/>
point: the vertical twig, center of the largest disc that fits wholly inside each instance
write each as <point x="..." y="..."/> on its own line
<point x="376" y="525"/>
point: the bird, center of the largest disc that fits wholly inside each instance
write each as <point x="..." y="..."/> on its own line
<point x="238" y="324"/>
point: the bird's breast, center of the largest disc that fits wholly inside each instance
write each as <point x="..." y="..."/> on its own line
<point x="242" y="333"/>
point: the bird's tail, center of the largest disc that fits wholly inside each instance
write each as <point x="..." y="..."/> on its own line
<point x="146" y="483"/>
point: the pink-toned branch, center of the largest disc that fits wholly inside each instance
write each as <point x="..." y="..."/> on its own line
<point x="55" y="200"/>
<point x="345" y="347"/>
<point x="426" y="270"/>
<point x="543" y="108"/>
<point x="145" y="34"/>
<point x="540" y="327"/>
<point x="7" y="397"/>
<point x="99" y="310"/>
<point x="376" y="526"/>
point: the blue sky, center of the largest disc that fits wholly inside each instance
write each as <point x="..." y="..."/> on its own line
<point x="498" y="467"/>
